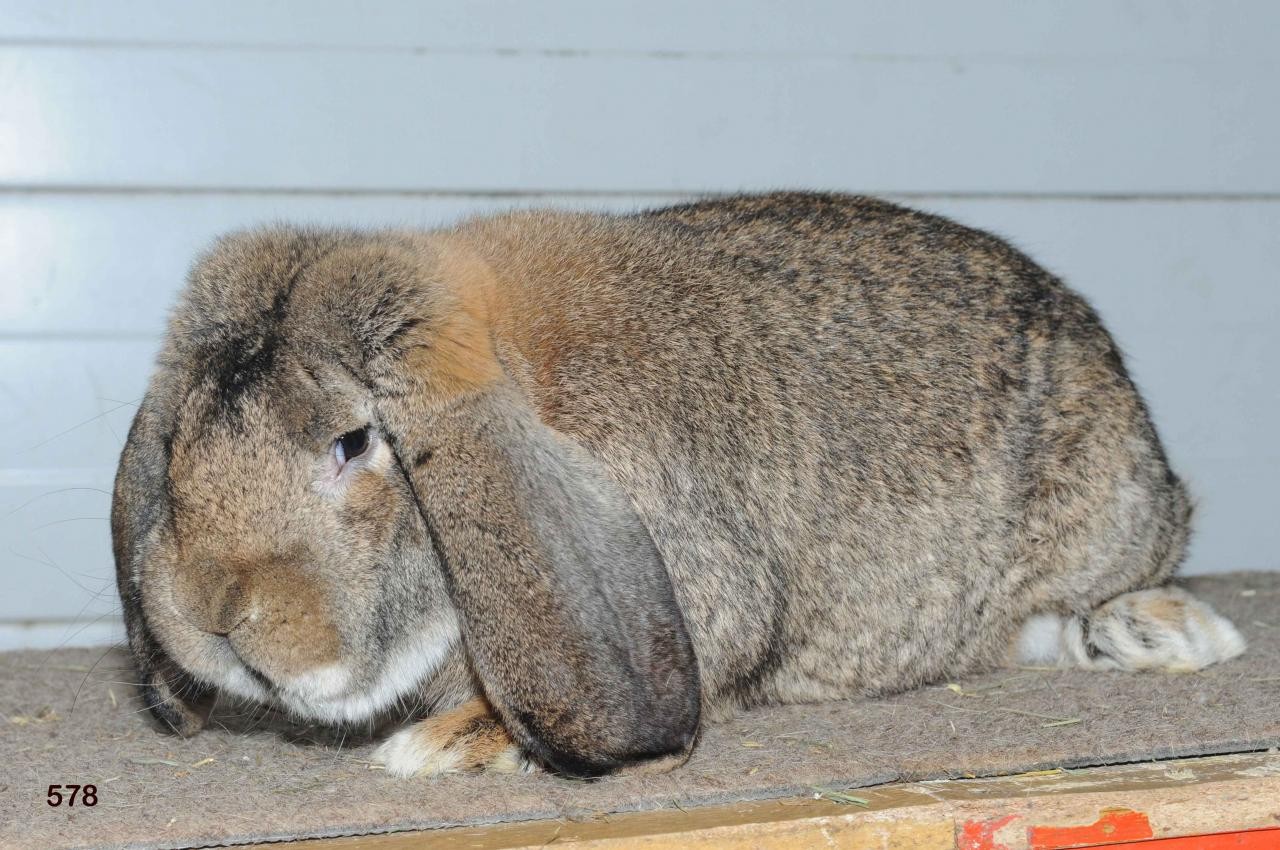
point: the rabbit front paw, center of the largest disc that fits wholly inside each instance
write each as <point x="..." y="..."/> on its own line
<point x="467" y="738"/>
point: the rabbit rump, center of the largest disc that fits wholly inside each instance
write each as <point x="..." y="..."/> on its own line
<point x="568" y="485"/>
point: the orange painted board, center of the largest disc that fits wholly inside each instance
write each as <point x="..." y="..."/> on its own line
<point x="1253" y="839"/>
<point x="980" y="834"/>
<point x="1127" y="830"/>
<point x="1114" y="826"/>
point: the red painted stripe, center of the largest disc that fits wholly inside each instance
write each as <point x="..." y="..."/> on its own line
<point x="981" y="834"/>
<point x="1115" y="825"/>
<point x="1251" y="839"/>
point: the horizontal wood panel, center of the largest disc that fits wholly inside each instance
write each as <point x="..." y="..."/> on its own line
<point x="65" y="405"/>
<point x="457" y="122"/>
<point x="67" y="418"/>
<point x="98" y="265"/>
<point x="56" y="557"/>
<point x="1184" y="286"/>
<point x="55" y="552"/>
<point x="104" y="264"/>
<point x="1156" y="28"/>
<point x="54" y="635"/>
<point x="104" y="270"/>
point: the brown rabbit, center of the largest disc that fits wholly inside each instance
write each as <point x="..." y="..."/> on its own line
<point x="570" y="483"/>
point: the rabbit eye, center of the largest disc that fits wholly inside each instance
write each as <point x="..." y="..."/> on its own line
<point x="351" y="444"/>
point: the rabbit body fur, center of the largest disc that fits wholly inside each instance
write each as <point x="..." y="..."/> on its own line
<point x="866" y="445"/>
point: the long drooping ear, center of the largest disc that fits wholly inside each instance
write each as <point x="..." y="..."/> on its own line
<point x="139" y="507"/>
<point x="566" y="608"/>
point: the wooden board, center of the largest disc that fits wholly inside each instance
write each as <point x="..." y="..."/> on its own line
<point x="1176" y="805"/>
<point x="1156" y="29"/>
<point x="249" y="118"/>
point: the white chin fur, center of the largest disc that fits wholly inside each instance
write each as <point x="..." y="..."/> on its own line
<point x="320" y="695"/>
<point x="237" y="681"/>
<point x="323" y="683"/>
<point x="324" y="694"/>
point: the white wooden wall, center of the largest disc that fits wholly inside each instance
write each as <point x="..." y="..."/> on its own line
<point x="1133" y="147"/>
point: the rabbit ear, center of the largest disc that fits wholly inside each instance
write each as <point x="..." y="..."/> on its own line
<point x="139" y="508"/>
<point x="566" y="608"/>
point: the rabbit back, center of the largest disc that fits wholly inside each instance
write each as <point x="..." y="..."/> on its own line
<point x="868" y="442"/>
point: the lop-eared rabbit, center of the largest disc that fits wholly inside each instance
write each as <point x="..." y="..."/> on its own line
<point x="572" y="484"/>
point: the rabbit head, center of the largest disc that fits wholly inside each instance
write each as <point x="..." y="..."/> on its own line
<point x="333" y="483"/>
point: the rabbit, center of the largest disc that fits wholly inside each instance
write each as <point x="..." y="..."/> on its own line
<point x="554" y="489"/>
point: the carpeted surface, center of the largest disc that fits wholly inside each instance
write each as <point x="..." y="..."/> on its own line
<point x="62" y="722"/>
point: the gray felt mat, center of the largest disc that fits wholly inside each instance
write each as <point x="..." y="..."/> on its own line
<point x="62" y="722"/>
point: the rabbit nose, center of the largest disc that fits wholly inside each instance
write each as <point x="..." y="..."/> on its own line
<point x="275" y="617"/>
<point x="216" y="595"/>
<point x="229" y="606"/>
